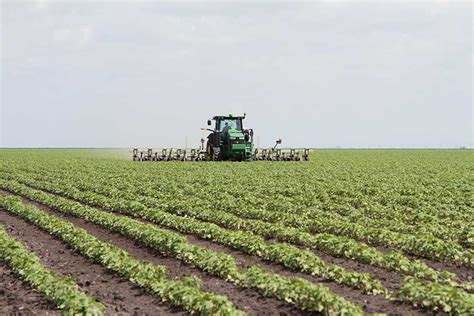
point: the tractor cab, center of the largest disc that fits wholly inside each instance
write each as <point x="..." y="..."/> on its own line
<point x="227" y="122"/>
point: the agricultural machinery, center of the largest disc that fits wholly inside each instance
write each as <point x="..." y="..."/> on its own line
<point x="228" y="140"/>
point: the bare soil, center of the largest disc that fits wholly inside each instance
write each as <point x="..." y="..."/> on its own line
<point x="247" y="300"/>
<point x="252" y="302"/>
<point x="370" y="303"/>
<point x="464" y="274"/>
<point x="117" y="294"/>
<point x="17" y="297"/>
<point x="389" y="279"/>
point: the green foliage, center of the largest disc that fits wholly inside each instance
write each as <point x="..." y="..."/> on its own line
<point x="313" y="297"/>
<point x="151" y="277"/>
<point x="348" y="204"/>
<point x="286" y="255"/>
<point x="339" y="246"/>
<point x="62" y="291"/>
<point x="436" y="296"/>
<point x="216" y="263"/>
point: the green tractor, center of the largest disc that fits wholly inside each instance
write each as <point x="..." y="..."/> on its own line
<point x="228" y="140"/>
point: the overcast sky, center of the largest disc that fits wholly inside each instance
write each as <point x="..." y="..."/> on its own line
<point x="316" y="74"/>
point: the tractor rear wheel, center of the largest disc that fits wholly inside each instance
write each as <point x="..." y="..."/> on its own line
<point x="213" y="153"/>
<point x="217" y="154"/>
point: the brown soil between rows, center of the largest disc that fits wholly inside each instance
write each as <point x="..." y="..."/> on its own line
<point x="17" y="297"/>
<point x="117" y="294"/>
<point x="464" y="274"/>
<point x="388" y="278"/>
<point x="370" y="303"/>
<point x="247" y="300"/>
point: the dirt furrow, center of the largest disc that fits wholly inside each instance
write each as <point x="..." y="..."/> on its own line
<point x="247" y="300"/>
<point x="370" y="303"/>
<point x="464" y="274"/>
<point x="390" y="279"/>
<point x="17" y="297"/>
<point x="117" y="294"/>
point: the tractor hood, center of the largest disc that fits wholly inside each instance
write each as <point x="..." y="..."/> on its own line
<point x="234" y="134"/>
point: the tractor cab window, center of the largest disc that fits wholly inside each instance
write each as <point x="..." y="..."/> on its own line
<point x="231" y="123"/>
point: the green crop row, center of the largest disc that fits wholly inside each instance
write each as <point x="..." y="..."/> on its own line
<point x="185" y="294"/>
<point x="416" y="222"/>
<point x="339" y="246"/>
<point x="416" y="202"/>
<point x="329" y="243"/>
<point x="296" y="291"/>
<point x="444" y="223"/>
<point x="286" y="255"/>
<point x="417" y="244"/>
<point x="406" y="215"/>
<point x="335" y="245"/>
<point x="63" y="292"/>
<point x="421" y="223"/>
<point x="437" y="297"/>
<point x="382" y="189"/>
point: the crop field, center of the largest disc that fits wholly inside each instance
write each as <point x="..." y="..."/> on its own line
<point x="349" y="232"/>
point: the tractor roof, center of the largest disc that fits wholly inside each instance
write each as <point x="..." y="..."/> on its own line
<point x="230" y="116"/>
